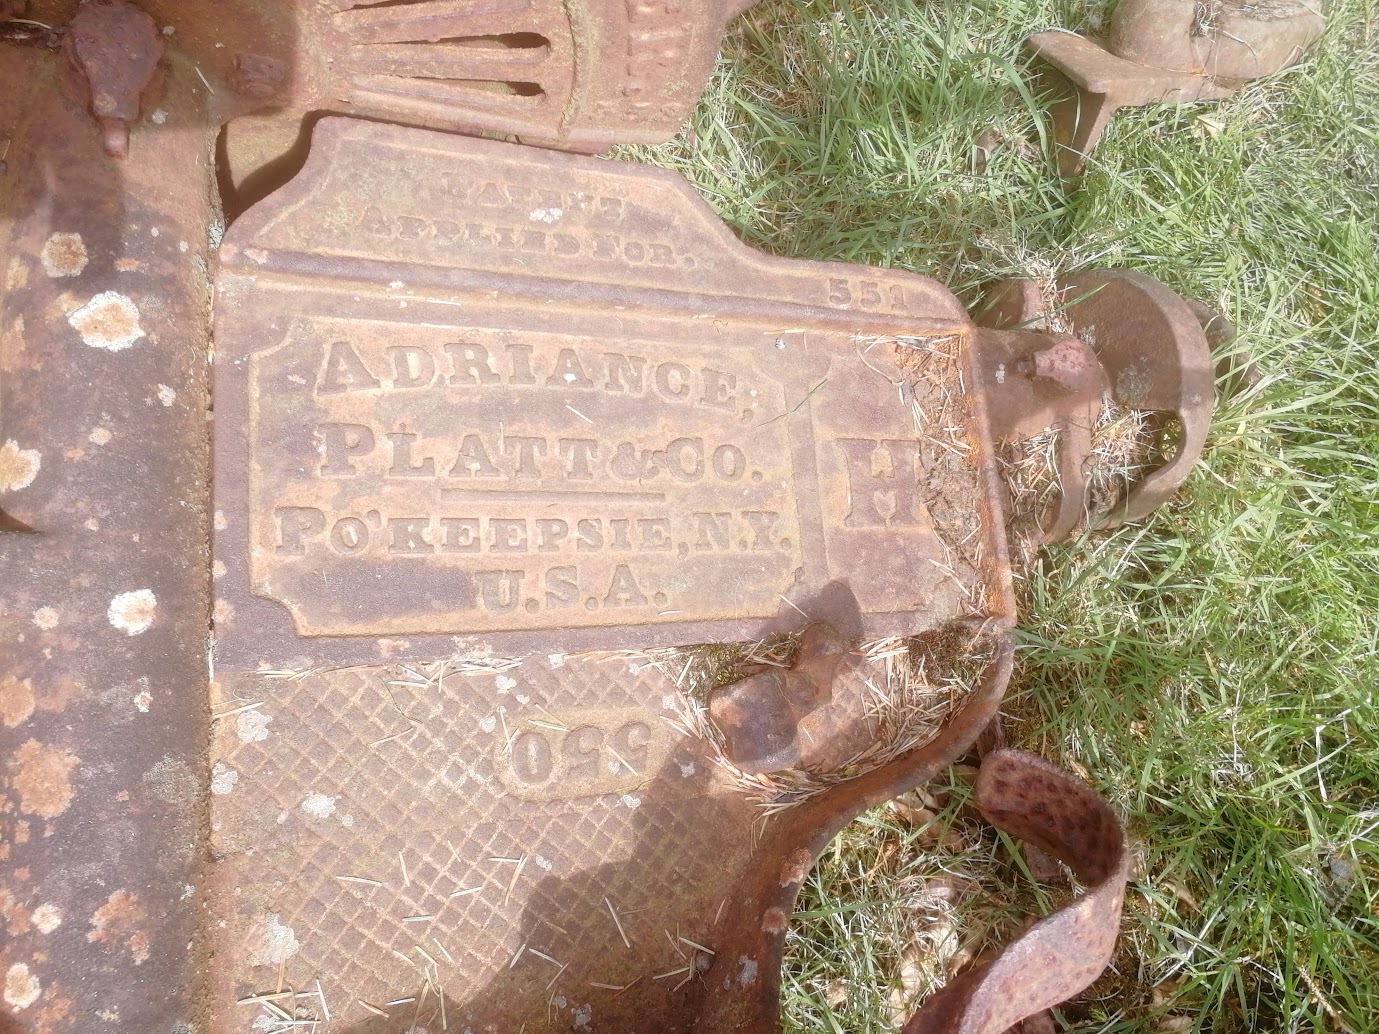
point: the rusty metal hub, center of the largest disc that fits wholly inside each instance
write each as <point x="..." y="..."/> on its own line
<point x="1137" y="343"/>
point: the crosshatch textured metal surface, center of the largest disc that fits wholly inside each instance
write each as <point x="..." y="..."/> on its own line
<point x="357" y="857"/>
<point x="537" y="402"/>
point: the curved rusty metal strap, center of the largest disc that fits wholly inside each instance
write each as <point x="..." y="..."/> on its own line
<point x="1063" y="953"/>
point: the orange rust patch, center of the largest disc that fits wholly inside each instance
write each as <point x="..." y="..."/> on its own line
<point x="16" y="916"/>
<point x="117" y="922"/>
<point x="43" y="779"/>
<point x="16" y="700"/>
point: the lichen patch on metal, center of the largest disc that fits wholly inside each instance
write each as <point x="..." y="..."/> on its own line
<point x="133" y="612"/>
<point x="22" y="987"/>
<point x="63" y="254"/>
<point x="18" y="466"/>
<point x="109" y="321"/>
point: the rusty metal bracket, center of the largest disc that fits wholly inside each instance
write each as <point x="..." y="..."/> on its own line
<point x="1063" y="953"/>
<point x="1155" y="355"/>
<point x="114" y="47"/>
<point x="1167" y="52"/>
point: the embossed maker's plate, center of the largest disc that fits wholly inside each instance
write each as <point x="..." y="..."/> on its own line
<point x="472" y="398"/>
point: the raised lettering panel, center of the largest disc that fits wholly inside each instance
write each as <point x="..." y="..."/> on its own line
<point x="416" y="479"/>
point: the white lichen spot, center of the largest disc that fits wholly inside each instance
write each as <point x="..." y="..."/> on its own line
<point x="631" y="801"/>
<point x="686" y="769"/>
<point x="583" y="1014"/>
<point x="155" y="231"/>
<point x="91" y="524"/>
<point x="223" y="779"/>
<point x="319" y="806"/>
<point x="505" y="684"/>
<point x="543" y="863"/>
<point x="223" y="612"/>
<point x="110" y="321"/>
<point x="47" y="918"/>
<point x="167" y="396"/>
<point x="187" y="891"/>
<point x="159" y="116"/>
<point x="556" y="660"/>
<point x="21" y="987"/>
<point x="64" y="254"/>
<point x="488" y="724"/>
<point x="100" y="436"/>
<point x="142" y="701"/>
<point x="667" y="702"/>
<point x="347" y="821"/>
<point x="183" y="246"/>
<point x="276" y="943"/>
<point x="218" y="569"/>
<point x="252" y="726"/>
<point x="561" y="1001"/>
<point x="46" y="618"/>
<point x="133" y="612"/>
<point x="521" y="698"/>
<point x="18" y="467"/>
<point x="219" y="520"/>
<point x="396" y="284"/>
<point x="546" y="215"/>
<point x="748" y="974"/>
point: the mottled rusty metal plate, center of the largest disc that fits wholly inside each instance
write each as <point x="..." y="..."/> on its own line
<point x="104" y="600"/>
<point x="474" y="398"/>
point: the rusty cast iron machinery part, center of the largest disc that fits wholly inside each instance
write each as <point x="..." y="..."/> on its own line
<point x="1153" y="353"/>
<point x="473" y="401"/>
<point x="1168" y="52"/>
<point x="522" y="400"/>
<point x="581" y="75"/>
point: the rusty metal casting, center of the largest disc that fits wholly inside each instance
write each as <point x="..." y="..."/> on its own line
<point x="1168" y="52"/>
<point x="1154" y="349"/>
<point x="115" y="48"/>
<point x="521" y="400"/>
<point x="580" y="75"/>
<point x="493" y="428"/>
<point x="760" y="715"/>
<point x="1064" y="952"/>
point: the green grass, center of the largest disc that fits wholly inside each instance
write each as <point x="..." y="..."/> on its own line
<point x="1213" y="671"/>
